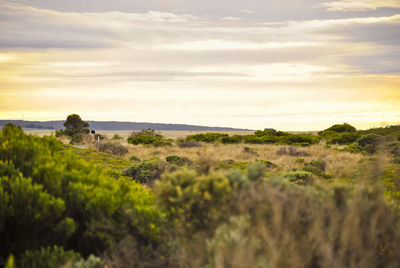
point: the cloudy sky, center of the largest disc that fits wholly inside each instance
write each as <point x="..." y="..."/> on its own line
<point x="286" y="64"/>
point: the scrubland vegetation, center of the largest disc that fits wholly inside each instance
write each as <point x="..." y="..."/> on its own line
<point x="268" y="199"/>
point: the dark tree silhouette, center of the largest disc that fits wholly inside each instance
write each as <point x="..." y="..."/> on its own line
<point x="74" y="125"/>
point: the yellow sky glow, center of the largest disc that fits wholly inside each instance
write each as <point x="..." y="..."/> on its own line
<point x="169" y="67"/>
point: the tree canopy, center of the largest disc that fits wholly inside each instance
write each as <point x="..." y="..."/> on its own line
<point x="74" y="124"/>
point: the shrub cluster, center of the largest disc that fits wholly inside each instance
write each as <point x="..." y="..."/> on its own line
<point x="146" y="171"/>
<point x="49" y="198"/>
<point x="148" y="137"/>
<point x="340" y="134"/>
<point x="267" y="136"/>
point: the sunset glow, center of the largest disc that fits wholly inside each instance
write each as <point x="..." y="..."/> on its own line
<point x="290" y="65"/>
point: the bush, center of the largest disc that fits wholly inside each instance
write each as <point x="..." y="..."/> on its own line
<point x="252" y="139"/>
<point x="77" y="139"/>
<point x="113" y="148"/>
<point x="340" y="128"/>
<point x="98" y="136"/>
<point x="235" y="139"/>
<point x="56" y="257"/>
<point x="396" y="160"/>
<point x="134" y="158"/>
<point x="148" y="137"/>
<point x="353" y="148"/>
<point x="146" y="171"/>
<point x="300" y="177"/>
<point x="192" y="201"/>
<point x="369" y="142"/>
<point x="59" y="133"/>
<point x="207" y="137"/>
<point x="283" y="226"/>
<point x="342" y="138"/>
<point x="319" y="163"/>
<point x="117" y="137"/>
<point x="50" y="197"/>
<point x="316" y="171"/>
<point x="48" y="257"/>
<point x="177" y="160"/>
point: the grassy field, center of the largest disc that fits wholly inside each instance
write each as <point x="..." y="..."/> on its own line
<point x="170" y="201"/>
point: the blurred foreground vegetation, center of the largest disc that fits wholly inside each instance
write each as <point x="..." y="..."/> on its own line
<point x="62" y="206"/>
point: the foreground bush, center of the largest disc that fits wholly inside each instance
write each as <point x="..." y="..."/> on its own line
<point x="49" y="197"/>
<point x="193" y="201"/>
<point x="283" y="225"/>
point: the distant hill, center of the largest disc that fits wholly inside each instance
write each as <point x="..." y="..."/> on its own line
<point x="113" y="125"/>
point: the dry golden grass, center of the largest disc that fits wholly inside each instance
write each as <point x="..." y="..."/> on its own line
<point x="339" y="164"/>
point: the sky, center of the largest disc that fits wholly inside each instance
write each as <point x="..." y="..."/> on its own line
<point x="283" y="64"/>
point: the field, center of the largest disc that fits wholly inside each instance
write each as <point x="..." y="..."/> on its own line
<point x="195" y="199"/>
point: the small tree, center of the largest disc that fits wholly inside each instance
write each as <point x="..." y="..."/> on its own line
<point x="74" y="125"/>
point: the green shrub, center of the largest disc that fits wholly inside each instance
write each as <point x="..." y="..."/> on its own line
<point x="256" y="171"/>
<point x="177" y="160"/>
<point x="369" y="142"/>
<point x="283" y="226"/>
<point x="394" y="148"/>
<point x="316" y="171"/>
<point x="98" y="136"/>
<point x="235" y="139"/>
<point x="266" y="132"/>
<point x="206" y="137"/>
<point x="341" y="128"/>
<point x="300" y="160"/>
<point x="396" y="160"/>
<point x="300" y="177"/>
<point x="59" y="133"/>
<point x="192" y="201"/>
<point x="117" y="137"/>
<point x="252" y="139"/>
<point x="343" y="138"/>
<point x="48" y="257"/>
<point x="353" y="148"/>
<point x="50" y="197"/>
<point x="56" y="257"/>
<point x="76" y="139"/>
<point x="148" y="137"/>
<point x="113" y="148"/>
<point x="146" y="171"/>
<point x="142" y="139"/>
<point x="134" y="158"/>
<point x="319" y="163"/>
<point x="300" y="139"/>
